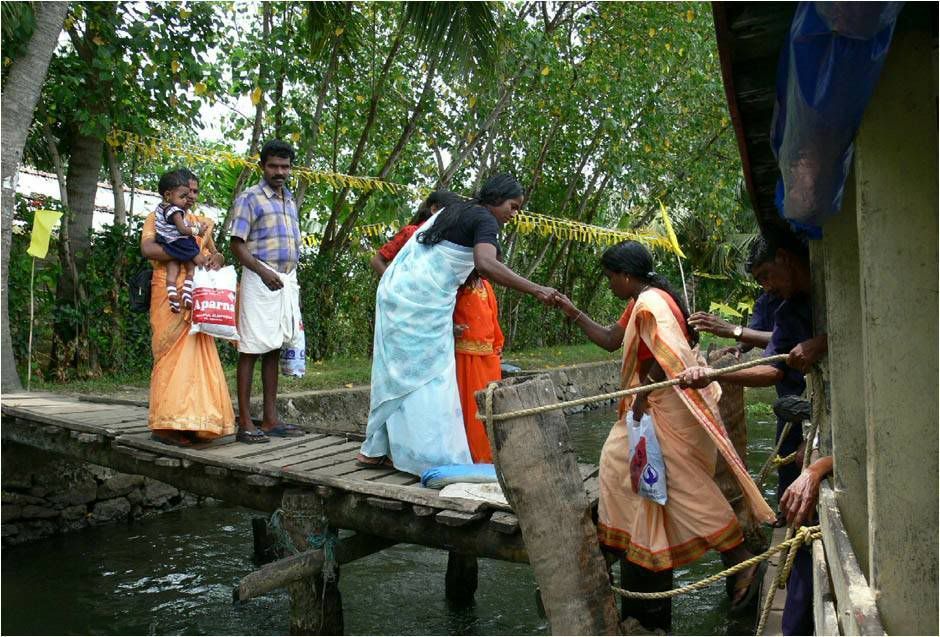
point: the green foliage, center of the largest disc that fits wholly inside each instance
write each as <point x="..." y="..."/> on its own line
<point x="121" y="337"/>
<point x="600" y="109"/>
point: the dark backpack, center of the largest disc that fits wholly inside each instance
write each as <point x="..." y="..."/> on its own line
<point x="139" y="289"/>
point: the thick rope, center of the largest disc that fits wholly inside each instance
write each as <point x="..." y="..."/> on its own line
<point x="783" y="569"/>
<point x="804" y="536"/>
<point x="716" y="373"/>
<point x="780" y="462"/>
<point x="765" y="470"/>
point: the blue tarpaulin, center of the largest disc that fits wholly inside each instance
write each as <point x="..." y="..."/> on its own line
<point x="828" y="70"/>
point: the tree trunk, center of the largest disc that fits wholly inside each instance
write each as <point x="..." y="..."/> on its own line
<point x="117" y="186"/>
<point x="256" y="129"/>
<point x="20" y="94"/>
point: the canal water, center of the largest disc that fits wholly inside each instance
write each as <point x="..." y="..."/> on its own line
<point x="173" y="574"/>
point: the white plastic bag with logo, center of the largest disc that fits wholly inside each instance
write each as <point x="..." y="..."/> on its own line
<point x="214" y="302"/>
<point x="294" y="354"/>
<point x="647" y="466"/>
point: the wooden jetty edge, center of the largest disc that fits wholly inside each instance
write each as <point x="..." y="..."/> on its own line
<point x="317" y="485"/>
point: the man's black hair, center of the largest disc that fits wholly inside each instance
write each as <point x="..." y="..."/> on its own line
<point x="764" y="249"/>
<point x="277" y="148"/>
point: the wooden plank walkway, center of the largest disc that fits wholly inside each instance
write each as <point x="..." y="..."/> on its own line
<point x="378" y="501"/>
<point x="774" y="625"/>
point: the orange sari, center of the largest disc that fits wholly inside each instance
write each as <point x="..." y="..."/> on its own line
<point x="188" y="391"/>
<point x="478" y="357"/>
<point x="696" y="517"/>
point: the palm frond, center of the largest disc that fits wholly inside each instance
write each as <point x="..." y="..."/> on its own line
<point x="326" y="21"/>
<point x="459" y="33"/>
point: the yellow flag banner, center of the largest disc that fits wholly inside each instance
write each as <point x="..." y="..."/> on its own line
<point x="670" y="232"/>
<point x="152" y="148"/>
<point x="43" y="222"/>
<point x="535" y="223"/>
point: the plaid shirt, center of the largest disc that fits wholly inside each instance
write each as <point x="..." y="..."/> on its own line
<point x="269" y="225"/>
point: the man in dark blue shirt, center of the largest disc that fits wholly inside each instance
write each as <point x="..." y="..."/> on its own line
<point x="781" y="267"/>
<point x="756" y="334"/>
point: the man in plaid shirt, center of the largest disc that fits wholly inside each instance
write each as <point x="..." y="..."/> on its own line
<point x="265" y="238"/>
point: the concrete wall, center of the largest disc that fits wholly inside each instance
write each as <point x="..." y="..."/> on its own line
<point x="896" y="188"/>
<point x="847" y="402"/>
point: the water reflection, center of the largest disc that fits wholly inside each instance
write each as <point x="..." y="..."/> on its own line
<point x="174" y="575"/>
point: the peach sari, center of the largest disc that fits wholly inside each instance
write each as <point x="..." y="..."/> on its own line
<point x="188" y="391"/>
<point x="696" y="517"/>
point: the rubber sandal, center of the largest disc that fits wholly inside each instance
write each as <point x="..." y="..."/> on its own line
<point x="744" y="603"/>
<point x="373" y="463"/>
<point x="284" y="430"/>
<point x="180" y="442"/>
<point x="252" y="437"/>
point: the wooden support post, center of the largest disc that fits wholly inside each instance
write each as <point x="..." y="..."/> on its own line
<point x="538" y="471"/>
<point x="265" y="550"/>
<point x="461" y="580"/>
<point x="655" y="614"/>
<point x="316" y="607"/>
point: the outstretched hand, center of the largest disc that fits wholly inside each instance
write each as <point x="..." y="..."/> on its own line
<point x="695" y="377"/>
<point x="546" y="295"/>
<point x="563" y="303"/>
<point x="705" y="322"/>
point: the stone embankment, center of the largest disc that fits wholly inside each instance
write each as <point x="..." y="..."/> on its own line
<point x="44" y="494"/>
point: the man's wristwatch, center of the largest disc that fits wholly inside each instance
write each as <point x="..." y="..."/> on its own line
<point x="738" y="332"/>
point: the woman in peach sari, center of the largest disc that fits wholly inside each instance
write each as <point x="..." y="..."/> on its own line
<point x="189" y="398"/>
<point x="478" y="348"/>
<point x="657" y="344"/>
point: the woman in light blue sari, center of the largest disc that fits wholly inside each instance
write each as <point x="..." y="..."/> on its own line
<point x="415" y="421"/>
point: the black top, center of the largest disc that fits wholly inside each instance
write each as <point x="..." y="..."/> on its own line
<point x="475" y="225"/>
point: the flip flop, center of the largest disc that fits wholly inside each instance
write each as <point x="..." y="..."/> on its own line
<point x="284" y="430"/>
<point x="376" y="463"/>
<point x="252" y="437"/>
<point x="753" y="587"/>
<point x="180" y="442"/>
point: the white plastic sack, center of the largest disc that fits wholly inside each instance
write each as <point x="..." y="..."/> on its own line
<point x="647" y="467"/>
<point x="214" y="302"/>
<point x="294" y="354"/>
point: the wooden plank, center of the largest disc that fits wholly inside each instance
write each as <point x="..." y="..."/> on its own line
<point x="385" y="503"/>
<point x="279" y="457"/>
<point x="855" y="599"/>
<point x="235" y="450"/>
<point x="592" y="489"/>
<point x="824" y="610"/>
<point x="505" y="522"/>
<point x="43" y="419"/>
<point x="410" y="494"/>
<point x="347" y="465"/>
<point x="331" y="455"/>
<point x="399" y="477"/>
<point x="70" y="408"/>
<point x="458" y="518"/>
<point x="371" y="473"/>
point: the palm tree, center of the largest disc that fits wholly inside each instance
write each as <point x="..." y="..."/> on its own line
<point x="20" y="94"/>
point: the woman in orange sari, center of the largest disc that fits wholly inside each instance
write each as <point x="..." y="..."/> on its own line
<point x="478" y="348"/>
<point x="657" y="344"/>
<point x="189" y="398"/>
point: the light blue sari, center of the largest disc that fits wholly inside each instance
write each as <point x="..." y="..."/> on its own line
<point x="414" y="413"/>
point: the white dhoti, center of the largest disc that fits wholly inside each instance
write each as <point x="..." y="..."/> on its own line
<point x="267" y="319"/>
